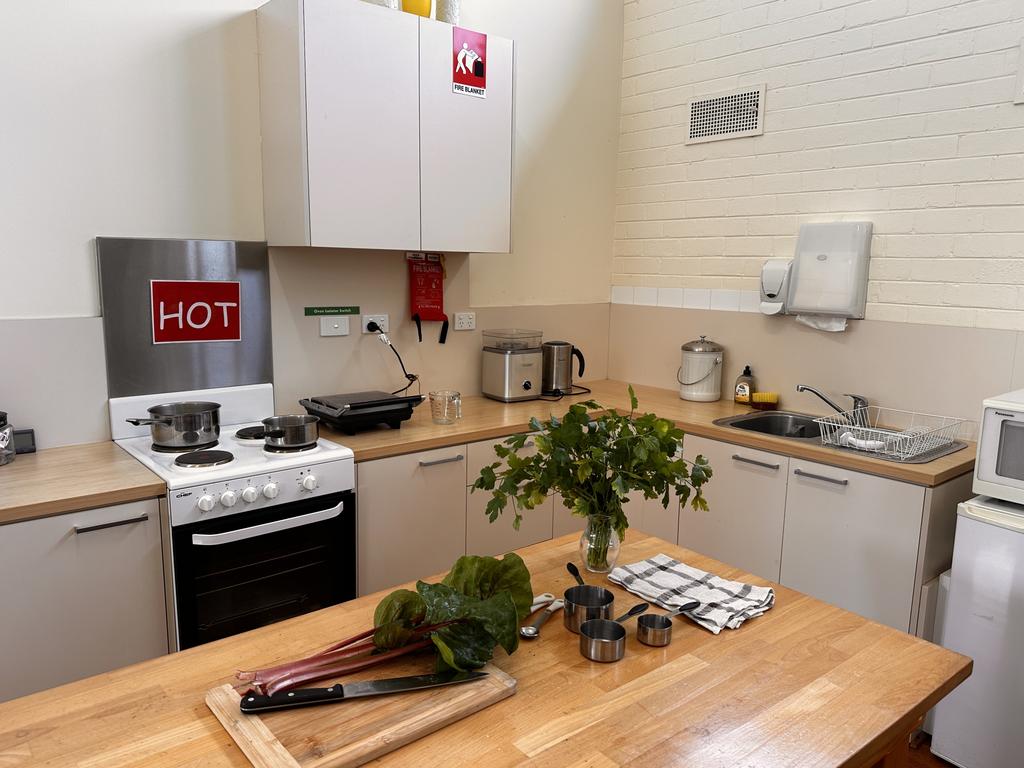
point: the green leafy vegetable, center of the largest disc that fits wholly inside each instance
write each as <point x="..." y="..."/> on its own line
<point x="476" y="607"/>
<point x="484" y="577"/>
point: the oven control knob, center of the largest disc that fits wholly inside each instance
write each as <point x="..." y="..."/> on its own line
<point x="228" y="498"/>
<point x="309" y="482"/>
<point x="206" y="502"/>
<point x="270" y="490"/>
<point x="250" y="494"/>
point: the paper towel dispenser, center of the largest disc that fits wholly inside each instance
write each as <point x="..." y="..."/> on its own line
<point x="830" y="270"/>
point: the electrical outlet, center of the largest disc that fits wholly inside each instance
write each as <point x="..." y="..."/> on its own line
<point x="381" y="320"/>
<point x="334" y="325"/>
<point x="465" y="321"/>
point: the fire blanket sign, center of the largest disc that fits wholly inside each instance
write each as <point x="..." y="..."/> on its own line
<point x="469" y="62"/>
<point x="185" y="311"/>
<point x="426" y="286"/>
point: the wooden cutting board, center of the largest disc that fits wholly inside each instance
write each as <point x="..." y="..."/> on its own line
<point x="354" y="732"/>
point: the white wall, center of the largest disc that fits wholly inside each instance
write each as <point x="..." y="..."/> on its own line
<point x="566" y="111"/>
<point x="896" y="111"/>
<point x="123" y="118"/>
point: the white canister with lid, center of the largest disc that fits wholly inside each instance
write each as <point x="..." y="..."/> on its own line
<point x="700" y="370"/>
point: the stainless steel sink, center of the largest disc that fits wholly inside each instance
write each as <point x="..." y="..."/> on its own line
<point x="793" y="426"/>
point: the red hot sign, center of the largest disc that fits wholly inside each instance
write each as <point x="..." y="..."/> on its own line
<point x="469" y="62"/>
<point x="195" y="310"/>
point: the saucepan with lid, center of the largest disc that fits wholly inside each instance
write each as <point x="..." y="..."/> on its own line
<point x="182" y="426"/>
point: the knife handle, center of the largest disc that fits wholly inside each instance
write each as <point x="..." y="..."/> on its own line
<point x="304" y="697"/>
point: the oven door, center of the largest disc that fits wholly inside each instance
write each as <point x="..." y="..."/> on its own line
<point x="999" y="468"/>
<point x="244" y="571"/>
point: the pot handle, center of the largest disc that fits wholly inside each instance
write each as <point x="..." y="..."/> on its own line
<point x="143" y="422"/>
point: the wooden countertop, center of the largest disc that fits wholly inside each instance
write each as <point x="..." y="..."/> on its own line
<point x="72" y="478"/>
<point x="485" y="419"/>
<point x="807" y="684"/>
<point x="78" y="477"/>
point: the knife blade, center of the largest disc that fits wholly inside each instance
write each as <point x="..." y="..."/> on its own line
<point x="303" y="697"/>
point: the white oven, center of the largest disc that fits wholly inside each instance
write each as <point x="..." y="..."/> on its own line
<point x="999" y="469"/>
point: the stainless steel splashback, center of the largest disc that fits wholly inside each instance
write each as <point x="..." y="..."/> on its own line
<point x="138" y="366"/>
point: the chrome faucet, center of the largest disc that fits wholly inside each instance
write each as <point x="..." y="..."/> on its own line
<point x="859" y="401"/>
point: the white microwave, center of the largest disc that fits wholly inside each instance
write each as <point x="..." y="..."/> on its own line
<point x="999" y="468"/>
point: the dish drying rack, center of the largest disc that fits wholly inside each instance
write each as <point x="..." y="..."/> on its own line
<point x="898" y="435"/>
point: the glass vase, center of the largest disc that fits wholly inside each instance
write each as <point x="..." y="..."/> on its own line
<point x="599" y="544"/>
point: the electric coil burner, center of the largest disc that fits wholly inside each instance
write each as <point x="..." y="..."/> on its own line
<point x="289" y="449"/>
<point x="254" y="434"/>
<point x="203" y="459"/>
<point x="182" y="449"/>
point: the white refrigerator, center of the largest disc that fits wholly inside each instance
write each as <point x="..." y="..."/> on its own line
<point x="981" y="723"/>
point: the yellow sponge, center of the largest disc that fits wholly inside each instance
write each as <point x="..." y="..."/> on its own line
<point x="764" y="401"/>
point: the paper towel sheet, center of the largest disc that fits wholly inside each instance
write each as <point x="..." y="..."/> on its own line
<point x="823" y="322"/>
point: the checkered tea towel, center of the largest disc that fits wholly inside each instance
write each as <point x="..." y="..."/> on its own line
<point x="670" y="583"/>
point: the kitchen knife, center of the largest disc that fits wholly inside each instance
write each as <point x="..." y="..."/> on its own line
<point x="252" y="703"/>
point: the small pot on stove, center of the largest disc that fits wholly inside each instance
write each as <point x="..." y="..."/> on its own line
<point x="291" y="432"/>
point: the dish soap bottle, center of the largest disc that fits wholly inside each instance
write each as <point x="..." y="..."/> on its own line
<point x="744" y="386"/>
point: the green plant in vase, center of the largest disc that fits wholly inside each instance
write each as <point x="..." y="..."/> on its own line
<point x="594" y="464"/>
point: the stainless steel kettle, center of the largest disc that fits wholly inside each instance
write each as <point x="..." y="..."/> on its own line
<point x="556" y="367"/>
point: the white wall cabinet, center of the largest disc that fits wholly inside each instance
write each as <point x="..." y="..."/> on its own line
<point x="465" y="149"/>
<point x="411" y="516"/>
<point x="80" y="594"/>
<point x="486" y="538"/>
<point x="364" y="143"/>
<point x="852" y="540"/>
<point x="746" y="507"/>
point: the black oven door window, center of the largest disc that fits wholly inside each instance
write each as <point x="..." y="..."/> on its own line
<point x="251" y="569"/>
<point x="1010" y="458"/>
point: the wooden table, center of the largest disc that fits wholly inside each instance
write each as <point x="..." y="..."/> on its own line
<point x="805" y="685"/>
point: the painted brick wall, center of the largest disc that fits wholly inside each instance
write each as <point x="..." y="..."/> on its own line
<point x="896" y="111"/>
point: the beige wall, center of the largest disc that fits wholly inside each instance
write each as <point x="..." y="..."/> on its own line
<point x="566" y="115"/>
<point x="131" y="118"/>
<point x="307" y="364"/>
<point x="897" y="113"/>
<point x="942" y="370"/>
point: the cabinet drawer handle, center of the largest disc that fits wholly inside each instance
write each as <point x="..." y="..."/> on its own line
<point x="820" y="477"/>
<point x="449" y="460"/>
<point x="100" y="526"/>
<point x="755" y="462"/>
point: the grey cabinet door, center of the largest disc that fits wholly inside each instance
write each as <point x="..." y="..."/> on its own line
<point x="410" y="516"/>
<point x="81" y="594"/>
<point x="746" y="507"/>
<point x="852" y="539"/>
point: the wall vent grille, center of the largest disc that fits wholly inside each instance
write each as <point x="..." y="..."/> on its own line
<point x="726" y="115"/>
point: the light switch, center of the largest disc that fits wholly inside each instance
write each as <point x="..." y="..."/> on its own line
<point x="334" y="325"/>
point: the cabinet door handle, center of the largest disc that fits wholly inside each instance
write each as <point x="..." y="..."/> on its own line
<point x="755" y="462"/>
<point x="114" y="524"/>
<point x="827" y="479"/>
<point x="449" y="460"/>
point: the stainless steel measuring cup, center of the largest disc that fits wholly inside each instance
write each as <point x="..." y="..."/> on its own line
<point x="604" y="639"/>
<point x="656" y="628"/>
<point x="585" y="602"/>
